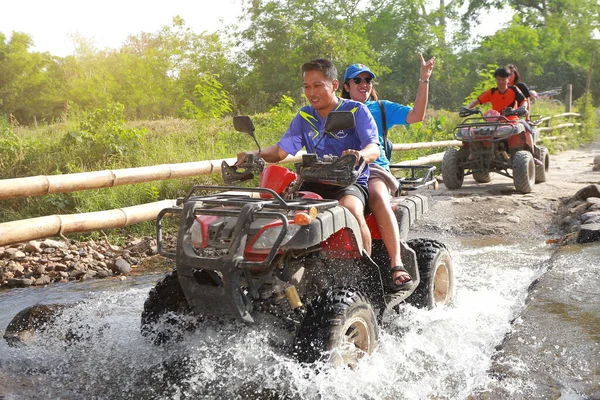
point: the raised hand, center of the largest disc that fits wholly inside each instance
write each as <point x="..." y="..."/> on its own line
<point x="426" y="67"/>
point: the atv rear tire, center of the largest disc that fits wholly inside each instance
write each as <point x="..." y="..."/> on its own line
<point x="523" y="171"/>
<point x="482" y="177"/>
<point x="540" y="170"/>
<point x="340" y="321"/>
<point x="165" y="304"/>
<point x="454" y="176"/>
<point x="436" y="288"/>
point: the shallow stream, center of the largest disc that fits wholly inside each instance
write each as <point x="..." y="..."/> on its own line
<point x="500" y="339"/>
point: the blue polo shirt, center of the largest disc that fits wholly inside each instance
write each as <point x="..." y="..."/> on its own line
<point x="306" y="130"/>
<point x="395" y="114"/>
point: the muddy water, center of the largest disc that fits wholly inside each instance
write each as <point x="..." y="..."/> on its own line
<point x="499" y="340"/>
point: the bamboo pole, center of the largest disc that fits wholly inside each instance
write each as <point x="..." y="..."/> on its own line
<point x="54" y="225"/>
<point x="426" y="145"/>
<point x="565" y="125"/>
<point x="430" y="159"/>
<point x="51" y="184"/>
<point x="29" y="229"/>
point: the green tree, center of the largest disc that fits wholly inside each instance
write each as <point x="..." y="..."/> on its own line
<point x="210" y="100"/>
<point x="284" y="34"/>
<point x="22" y="77"/>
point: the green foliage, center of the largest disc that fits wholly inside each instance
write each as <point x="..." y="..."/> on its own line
<point x="486" y="82"/>
<point x="10" y="146"/>
<point x="589" y="118"/>
<point x="104" y="135"/>
<point x="282" y="114"/>
<point x="210" y="100"/>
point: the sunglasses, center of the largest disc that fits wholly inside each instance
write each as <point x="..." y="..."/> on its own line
<point x="357" y="81"/>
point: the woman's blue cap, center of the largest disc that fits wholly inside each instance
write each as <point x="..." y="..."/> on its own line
<point x="356" y="69"/>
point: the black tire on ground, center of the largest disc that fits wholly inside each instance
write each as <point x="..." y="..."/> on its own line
<point x="340" y="321"/>
<point x="452" y="173"/>
<point x="436" y="288"/>
<point x="541" y="170"/>
<point x="482" y="177"/>
<point x="523" y="171"/>
<point x="163" y="311"/>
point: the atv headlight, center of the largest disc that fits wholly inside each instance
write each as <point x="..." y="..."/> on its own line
<point x="267" y="238"/>
<point x="196" y="234"/>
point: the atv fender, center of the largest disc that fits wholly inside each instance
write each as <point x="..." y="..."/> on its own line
<point x="324" y="225"/>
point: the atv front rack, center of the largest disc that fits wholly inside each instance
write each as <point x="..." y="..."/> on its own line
<point x="485" y="129"/>
<point x="418" y="176"/>
<point x="276" y="201"/>
<point x="215" y="205"/>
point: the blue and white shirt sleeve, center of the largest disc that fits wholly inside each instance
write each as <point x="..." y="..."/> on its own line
<point x="292" y="140"/>
<point x="366" y="128"/>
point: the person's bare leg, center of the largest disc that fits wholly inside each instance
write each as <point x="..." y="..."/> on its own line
<point x="356" y="207"/>
<point x="379" y="204"/>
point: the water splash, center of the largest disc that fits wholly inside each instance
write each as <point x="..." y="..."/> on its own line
<point x="442" y="354"/>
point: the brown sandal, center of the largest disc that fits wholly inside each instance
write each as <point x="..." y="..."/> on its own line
<point x="395" y="287"/>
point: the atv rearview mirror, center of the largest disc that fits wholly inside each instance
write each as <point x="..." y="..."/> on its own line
<point x="339" y="120"/>
<point x="243" y="123"/>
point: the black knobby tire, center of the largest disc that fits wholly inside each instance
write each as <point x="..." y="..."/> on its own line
<point x="436" y="288"/>
<point x="165" y="304"/>
<point x="523" y="171"/>
<point x="340" y="321"/>
<point x="541" y="170"/>
<point x="482" y="177"/>
<point x="454" y="176"/>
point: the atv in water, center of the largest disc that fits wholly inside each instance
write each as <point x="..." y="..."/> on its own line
<point x="278" y="250"/>
<point x="495" y="143"/>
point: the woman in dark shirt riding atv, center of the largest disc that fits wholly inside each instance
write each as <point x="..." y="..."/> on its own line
<point x="515" y="80"/>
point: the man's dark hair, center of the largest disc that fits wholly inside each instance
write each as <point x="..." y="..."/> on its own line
<point x="501" y="72"/>
<point x="513" y="68"/>
<point x="323" y="65"/>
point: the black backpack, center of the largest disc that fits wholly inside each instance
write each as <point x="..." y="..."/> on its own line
<point x="388" y="145"/>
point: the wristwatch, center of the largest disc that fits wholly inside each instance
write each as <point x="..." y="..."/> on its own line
<point x="424" y="80"/>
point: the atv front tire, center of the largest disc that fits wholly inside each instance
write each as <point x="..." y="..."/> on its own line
<point x="340" y="322"/>
<point x="541" y="170"/>
<point x="454" y="176"/>
<point x="523" y="171"/>
<point x="161" y="317"/>
<point x="482" y="177"/>
<point x="436" y="288"/>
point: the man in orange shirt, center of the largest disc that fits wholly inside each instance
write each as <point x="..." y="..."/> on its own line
<point x="502" y="96"/>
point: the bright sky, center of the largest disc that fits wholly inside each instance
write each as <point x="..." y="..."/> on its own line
<point x="53" y="23"/>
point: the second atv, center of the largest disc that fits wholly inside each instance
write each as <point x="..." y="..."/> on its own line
<point x="495" y="143"/>
<point x="291" y="254"/>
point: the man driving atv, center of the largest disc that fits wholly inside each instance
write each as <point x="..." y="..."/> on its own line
<point x="307" y="130"/>
<point x="503" y="96"/>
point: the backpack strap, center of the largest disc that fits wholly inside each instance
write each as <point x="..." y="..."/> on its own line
<point x="387" y="149"/>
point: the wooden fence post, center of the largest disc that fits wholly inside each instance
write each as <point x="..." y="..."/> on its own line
<point x="569" y="98"/>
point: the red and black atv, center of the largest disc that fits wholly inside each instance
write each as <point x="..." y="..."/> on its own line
<point x="495" y="143"/>
<point x="277" y="250"/>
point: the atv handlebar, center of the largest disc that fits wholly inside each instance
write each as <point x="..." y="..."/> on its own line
<point x="332" y="170"/>
<point x="466" y="112"/>
<point x="509" y="111"/>
<point x="251" y="165"/>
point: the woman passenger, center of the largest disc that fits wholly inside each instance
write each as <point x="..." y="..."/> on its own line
<point x="358" y="86"/>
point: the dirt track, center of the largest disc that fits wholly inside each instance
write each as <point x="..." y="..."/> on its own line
<point x="496" y="208"/>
